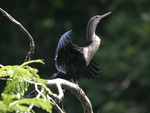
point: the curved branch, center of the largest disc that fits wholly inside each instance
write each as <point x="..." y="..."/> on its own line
<point x="32" y="45"/>
<point x="75" y="89"/>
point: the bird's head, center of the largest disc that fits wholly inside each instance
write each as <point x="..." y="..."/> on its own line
<point x="97" y="18"/>
<point x="91" y="27"/>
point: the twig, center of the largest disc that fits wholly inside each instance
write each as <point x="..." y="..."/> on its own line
<point x="32" y="45"/>
<point x="5" y="79"/>
<point x="41" y="93"/>
<point x="58" y="109"/>
<point x="1" y="66"/>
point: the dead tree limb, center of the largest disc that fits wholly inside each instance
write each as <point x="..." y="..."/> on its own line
<point x="32" y="45"/>
<point x="75" y="89"/>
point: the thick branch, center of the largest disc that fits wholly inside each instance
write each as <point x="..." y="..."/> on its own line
<point x="75" y="89"/>
<point x="32" y="45"/>
<point x="59" y="84"/>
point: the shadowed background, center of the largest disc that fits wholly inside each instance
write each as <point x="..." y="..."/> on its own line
<point x="123" y="85"/>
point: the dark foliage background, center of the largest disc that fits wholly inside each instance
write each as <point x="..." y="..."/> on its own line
<point x="123" y="86"/>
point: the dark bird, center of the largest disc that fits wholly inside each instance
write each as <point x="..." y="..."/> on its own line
<point x="73" y="62"/>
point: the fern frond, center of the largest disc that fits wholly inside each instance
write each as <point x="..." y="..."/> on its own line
<point x="38" y="102"/>
<point x="32" y="61"/>
<point x="19" y="79"/>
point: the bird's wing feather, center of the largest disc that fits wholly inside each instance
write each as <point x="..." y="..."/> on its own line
<point x="61" y="55"/>
<point x="91" y="70"/>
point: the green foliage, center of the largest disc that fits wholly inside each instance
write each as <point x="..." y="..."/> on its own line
<point x="11" y="103"/>
<point x="19" y="79"/>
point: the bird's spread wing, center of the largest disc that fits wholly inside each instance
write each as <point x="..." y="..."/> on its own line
<point x="61" y="55"/>
<point x="91" y="70"/>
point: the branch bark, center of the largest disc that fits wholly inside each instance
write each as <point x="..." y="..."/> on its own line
<point x="75" y="89"/>
<point x="32" y="45"/>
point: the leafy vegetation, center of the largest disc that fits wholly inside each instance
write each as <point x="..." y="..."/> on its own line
<point x="19" y="78"/>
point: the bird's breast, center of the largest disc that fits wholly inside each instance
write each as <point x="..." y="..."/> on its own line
<point x="90" y="51"/>
<point x="86" y="55"/>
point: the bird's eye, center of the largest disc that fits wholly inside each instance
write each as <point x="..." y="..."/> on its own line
<point x="97" y="16"/>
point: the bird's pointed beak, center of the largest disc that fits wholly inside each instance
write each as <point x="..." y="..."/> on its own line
<point x="102" y="16"/>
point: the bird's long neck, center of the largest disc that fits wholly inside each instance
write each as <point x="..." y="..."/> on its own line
<point x="90" y="31"/>
<point x="94" y="41"/>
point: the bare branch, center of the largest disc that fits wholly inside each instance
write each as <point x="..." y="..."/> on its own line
<point x="75" y="89"/>
<point x="1" y="66"/>
<point x="58" y="109"/>
<point x="60" y="91"/>
<point x="32" y="45"/>
<point x="3" y="78"/>
<point x="40" y="93"/>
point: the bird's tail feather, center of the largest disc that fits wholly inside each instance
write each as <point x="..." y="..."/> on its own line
<point x="32" y="93"/>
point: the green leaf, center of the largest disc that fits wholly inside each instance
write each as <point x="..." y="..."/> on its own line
<point x="8" y="98"/>
<point x="32" y="71"/>
<point x="3" y="107"/>
<point x="20" y="77"/>
<point x="38" y="102"/>
<point x="32" y="61"/>
<point x="4" y="71"/>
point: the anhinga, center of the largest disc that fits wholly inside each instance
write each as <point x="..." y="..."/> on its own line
<point x="73" y="62"/>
